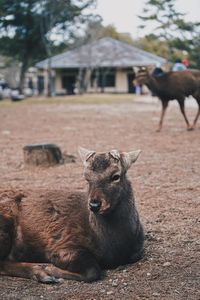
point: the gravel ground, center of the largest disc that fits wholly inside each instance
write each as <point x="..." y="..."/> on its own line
<point x="166" y="181"/>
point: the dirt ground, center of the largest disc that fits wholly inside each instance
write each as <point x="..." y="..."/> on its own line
<point x="166" y="181"/>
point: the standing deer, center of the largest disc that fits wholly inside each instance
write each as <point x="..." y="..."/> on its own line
<point x="59" y="235"/>
<point x="171" y="86"/>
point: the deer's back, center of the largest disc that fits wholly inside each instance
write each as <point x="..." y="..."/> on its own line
<point x="174" y="85"/>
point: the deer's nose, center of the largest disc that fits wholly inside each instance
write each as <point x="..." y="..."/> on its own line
<point x="94" y="205"/>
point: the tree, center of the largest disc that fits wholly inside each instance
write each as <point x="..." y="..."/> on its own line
<point x="95" y="30"/>
<point x="169" y="26"/>
<point x="29" y="28"/>
<point x="153" y="44"/>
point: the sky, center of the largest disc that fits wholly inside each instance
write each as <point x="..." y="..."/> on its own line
<point x="123" y="13"/>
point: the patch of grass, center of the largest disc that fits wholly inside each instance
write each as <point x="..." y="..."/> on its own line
<point x="79" y="99"/>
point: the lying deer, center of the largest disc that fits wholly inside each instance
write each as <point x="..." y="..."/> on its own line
<point x="58" y="235"/>
<point x="173" y="85"/>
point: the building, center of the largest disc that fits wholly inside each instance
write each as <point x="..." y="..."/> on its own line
<point x="105" y="65"/>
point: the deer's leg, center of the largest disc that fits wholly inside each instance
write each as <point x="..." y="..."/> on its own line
<point x="77" y="264"/>
<point x="44" y="273"/>
<point x="198" y="112"/>
<point x="196" y="118"/>
<point x="6" y="235"/>
<point x="164" y="107"/>
<point x="182" y="108"/>
<point x="24" y="270"/>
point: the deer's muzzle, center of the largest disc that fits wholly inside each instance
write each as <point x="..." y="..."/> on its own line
<point x="95" y="205"/>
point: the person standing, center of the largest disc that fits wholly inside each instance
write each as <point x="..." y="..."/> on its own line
<point x="178" y="66"/>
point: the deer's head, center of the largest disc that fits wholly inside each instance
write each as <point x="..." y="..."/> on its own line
<point x="142" y="76"/>
<point x="106" y="176"/>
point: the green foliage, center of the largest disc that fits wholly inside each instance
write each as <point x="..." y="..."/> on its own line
<point x="110" y="31"/>
<point x="171" y="29"/>
<point x="152" y="44"/>
<point x="28" y="28"/>
<point x="96" y="30"/>
<point x="167" y="21"/>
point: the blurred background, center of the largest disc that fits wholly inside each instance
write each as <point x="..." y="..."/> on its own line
<point x="66" y="47"/>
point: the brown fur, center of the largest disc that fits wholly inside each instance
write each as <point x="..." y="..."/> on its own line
<point x="54" y="235"/>
<point x="173" y="85"/>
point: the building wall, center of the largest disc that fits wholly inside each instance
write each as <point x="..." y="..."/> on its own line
<point x="58" y="82"/>
<point x="121" y="83"/>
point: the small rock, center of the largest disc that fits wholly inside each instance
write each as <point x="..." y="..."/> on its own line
<point x="156" y="294"/>
<point x="148" y="274"/>
<point x="151" y="258"/>
<point x="115" y="282"/>
<point x="109" y="293"/>
<point x="167" y="264"/>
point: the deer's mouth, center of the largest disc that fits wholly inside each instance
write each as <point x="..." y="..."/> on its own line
<point x="100" y="207"/>
<point x="105" y="208"/>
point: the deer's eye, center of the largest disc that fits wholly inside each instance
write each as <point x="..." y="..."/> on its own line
<point x="87" y="178"/>
<point x="115" y="177"/>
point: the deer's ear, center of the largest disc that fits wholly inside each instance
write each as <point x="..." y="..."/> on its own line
<point x="129" y="158"/>
<point x="85" y="154"/>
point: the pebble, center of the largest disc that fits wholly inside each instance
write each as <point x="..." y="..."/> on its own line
<point x="115" y="282"/>
<point x="109" y="292"/>
<point x="167" y="264"/>
<point x="125" y="283"/>
<point x="148" y="274"/>
<point x="156" y="294"/>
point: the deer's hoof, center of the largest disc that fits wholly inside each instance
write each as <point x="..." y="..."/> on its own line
<point x="50" y="280"/>
<point x="41" y="274"/>
<point x="190" y="128"/>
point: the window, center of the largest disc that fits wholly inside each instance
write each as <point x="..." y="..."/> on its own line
<point x="106" y="79"/>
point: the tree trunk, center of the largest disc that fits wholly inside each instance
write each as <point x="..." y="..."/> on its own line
<point x="50" y="81"/>
<point x="42" y="155"/>
<point x="23" y="70"/>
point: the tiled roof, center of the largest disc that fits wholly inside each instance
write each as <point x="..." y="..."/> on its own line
<point x="105" y="52"/>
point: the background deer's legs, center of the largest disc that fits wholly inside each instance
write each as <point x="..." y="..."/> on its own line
<point x="198" y="112"/>
<point x="182" y="108"/>
<point x="164" y="107"/>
